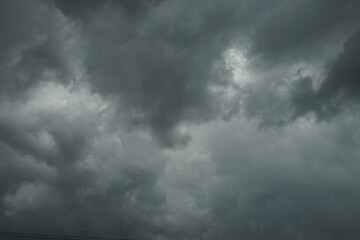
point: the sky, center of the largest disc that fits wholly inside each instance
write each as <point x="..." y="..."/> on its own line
<point x="180" y="120"/>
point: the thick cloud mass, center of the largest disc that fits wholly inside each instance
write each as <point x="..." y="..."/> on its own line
<point x="166" y="119"/>
<point x="341" y="84"/>
<point x="161" y="63"/>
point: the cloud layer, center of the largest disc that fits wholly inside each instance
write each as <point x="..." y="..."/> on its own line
<point x="166" y="119"/>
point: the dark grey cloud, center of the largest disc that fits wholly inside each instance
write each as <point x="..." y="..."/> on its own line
<point x="83" y="8"/>
<point x="299" y="29"/>
<point x="302" y="55"/>
<point x="161" y="64"/>
<point x="161" y="58"/>
<point x="339" y="87"/>
<point x="96" y="97"/>
<point x="33" y="49"/>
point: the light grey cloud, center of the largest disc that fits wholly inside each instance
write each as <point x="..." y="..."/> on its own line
<point x="64" y="167"/>
<point x="300" y="183"/>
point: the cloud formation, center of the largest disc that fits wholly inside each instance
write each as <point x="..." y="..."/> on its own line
<point x="159" y="61"/>
<point x="165" y="119"/>
<point x="340" y="85"/>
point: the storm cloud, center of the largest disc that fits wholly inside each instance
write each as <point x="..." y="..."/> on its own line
<point x="165" y="119"/>
<point x="340" y="86"/>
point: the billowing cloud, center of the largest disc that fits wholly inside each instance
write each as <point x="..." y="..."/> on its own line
<point x="141" y="119"/>
<point x="340" y="86"/>
<point x="35" y="47"/>
<point x="160" y="64"/>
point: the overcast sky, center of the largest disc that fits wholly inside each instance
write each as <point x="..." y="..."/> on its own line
<point x="181" y="119"/>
